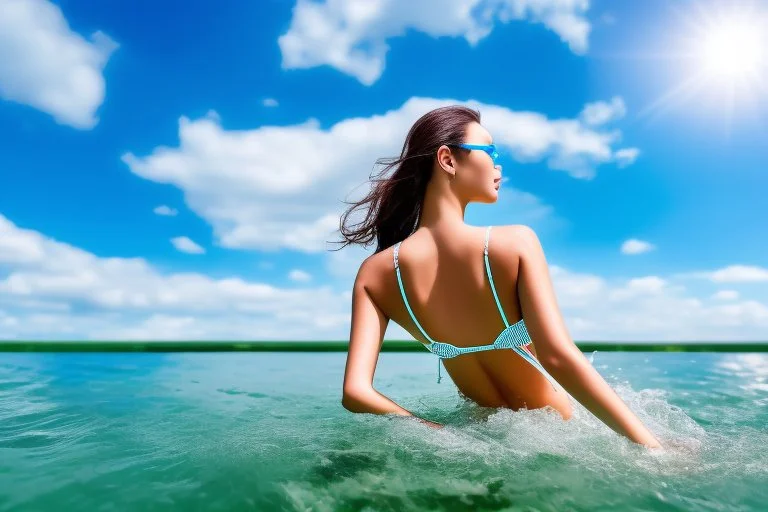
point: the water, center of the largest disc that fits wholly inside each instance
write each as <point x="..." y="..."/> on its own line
<point x="266" y="431"/>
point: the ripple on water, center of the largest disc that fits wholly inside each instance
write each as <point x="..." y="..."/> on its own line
<point x="504" y="458"/>
<point x="186" y="439"/>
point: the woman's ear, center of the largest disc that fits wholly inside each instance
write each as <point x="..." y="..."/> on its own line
<point x="446" y="159"/>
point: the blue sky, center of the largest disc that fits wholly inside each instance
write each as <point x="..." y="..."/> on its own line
<point x="251" y="122"/>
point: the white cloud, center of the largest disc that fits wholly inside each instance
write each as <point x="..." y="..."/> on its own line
<point x="166" y="210"/>
<point x="566" y="144"/>
<point x="123" y="297"/>
<point x="573" y="288"/>
<point x="351" y="36"/>
<point x="127" y="298"/>
<point x="649" y="285"/>
<point x="270" y="102"/>
<point x="735" y="315"/>
<point x="626" y="156"/>
<point x="726" y="295"/>
<point x="158" y="327"/>
<point x="18" y="247"/>
<point x="49" y="67"/>
<point x="650" y="308"/>
<point x="602" y="112"/>
<point x="258" y="192"/>
<point x="185" y="244"/>
<point x="299" y="276"/>
<point x="635" y="246"/>
<point x="739" y="273"/>
<point x="732" y="274"/>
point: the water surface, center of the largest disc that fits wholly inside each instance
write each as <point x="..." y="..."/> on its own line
<point x="260" y="431"/>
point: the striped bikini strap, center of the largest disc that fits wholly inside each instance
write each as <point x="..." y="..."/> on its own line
<point x="405" y="299"/>
<point x="490" y="277"/>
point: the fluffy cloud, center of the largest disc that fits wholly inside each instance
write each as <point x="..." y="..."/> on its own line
<point x="100" y="295"/>
<point x="280" y="186"/>
<point x="166" y="211"/>
<point x="187" y="245"/>
<point x="47" y="66"/>
<point x="351" y="36"/>
<point x="640" y="286"/>
<point x="650" y="308"/>
<point x="726" y="295"/>
<point x="602" y="112"/>
<point x="626" y="156"/>
<point x="567" y="145"/>
<point x="634" y="246"/>
<point x="270" y="102"/>
<point x="732" y="274"/>
<point x="49" y="289"/>
<point x="299" y="276"/>
<point x="739" y="273"/>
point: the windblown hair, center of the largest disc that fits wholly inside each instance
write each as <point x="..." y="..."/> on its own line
<point x="396" y="201"/>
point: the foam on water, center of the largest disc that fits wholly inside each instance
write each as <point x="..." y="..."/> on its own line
<point x="505" y="458"/>
<point x="266" y="431"/>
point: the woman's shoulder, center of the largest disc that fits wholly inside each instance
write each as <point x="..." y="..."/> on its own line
<point x="373" y="267"/>
<point x="513" y="236"/>
<point x="505" y="240"/>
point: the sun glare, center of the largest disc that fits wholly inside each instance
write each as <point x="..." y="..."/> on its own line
<point x="735" y="50"/>
<point x="720" y="55"/>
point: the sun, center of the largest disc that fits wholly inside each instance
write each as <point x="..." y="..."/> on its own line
<point x="733" y="50"/>
<point x="716" y="59"/>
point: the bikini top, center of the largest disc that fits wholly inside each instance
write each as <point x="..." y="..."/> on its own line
<point x="514" y="336"/>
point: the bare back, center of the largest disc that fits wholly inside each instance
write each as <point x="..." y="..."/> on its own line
<point x="450" y="295"/>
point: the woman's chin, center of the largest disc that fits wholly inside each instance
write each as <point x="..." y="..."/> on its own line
<point x="491" y="198"/>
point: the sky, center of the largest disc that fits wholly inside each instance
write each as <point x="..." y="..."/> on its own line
<point x="172" y="173"/>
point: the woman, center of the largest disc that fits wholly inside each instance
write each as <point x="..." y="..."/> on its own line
<point x="464" y="293"/>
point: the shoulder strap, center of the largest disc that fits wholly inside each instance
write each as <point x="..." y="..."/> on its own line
<point x="490" y="276"/>
<point x="405" y="299"/>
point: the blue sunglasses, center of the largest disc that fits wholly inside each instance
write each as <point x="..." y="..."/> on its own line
<point x="490" y="149"/>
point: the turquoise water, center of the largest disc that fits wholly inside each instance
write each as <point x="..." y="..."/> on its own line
<point x="266" y="431"/>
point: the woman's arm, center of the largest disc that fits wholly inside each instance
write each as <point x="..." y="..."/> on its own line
<point x="366" y="336"/>
<point x="556" y="350"/>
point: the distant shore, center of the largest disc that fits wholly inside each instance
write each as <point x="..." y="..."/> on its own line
<point x="342" y="346"/>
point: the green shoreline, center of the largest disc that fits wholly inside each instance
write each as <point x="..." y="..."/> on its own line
<point x="342" y="346"/>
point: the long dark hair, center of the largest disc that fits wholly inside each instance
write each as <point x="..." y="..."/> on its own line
<point x="396" y="201"/>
